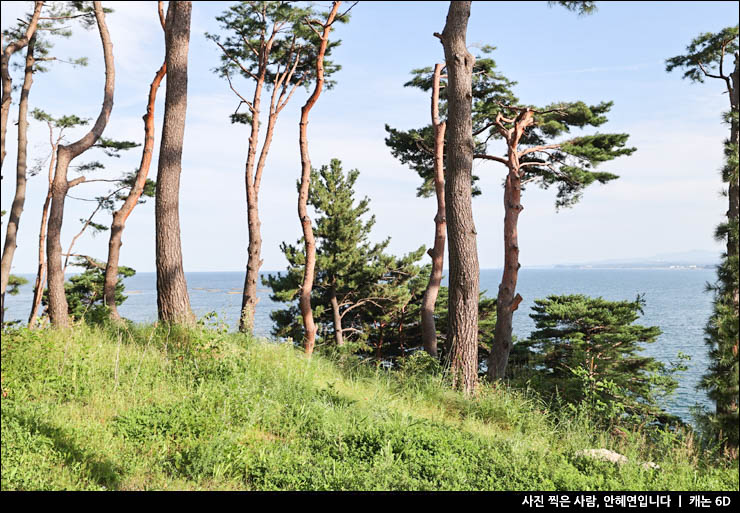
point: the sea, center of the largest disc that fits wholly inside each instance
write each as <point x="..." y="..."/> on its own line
<point x="676" y="302"/>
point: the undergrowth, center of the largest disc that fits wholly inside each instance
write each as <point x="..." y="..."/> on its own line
<point x="139" y="407"/>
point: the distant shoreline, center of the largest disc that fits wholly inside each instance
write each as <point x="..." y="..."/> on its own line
<point x="557" y="267"/>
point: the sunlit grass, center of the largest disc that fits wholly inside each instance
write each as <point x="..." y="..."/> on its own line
<point x="157" y="408"/>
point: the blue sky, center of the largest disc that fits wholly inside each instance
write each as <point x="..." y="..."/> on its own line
<point x="667" y="199"/>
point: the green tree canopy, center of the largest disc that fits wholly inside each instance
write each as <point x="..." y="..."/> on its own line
<point x="85" y="291"/>
<point x="705" y="55"/>
<point x="415" y="147"/>
<point x="348" y="266"/>
<point x="264" y="39"/>
<point x="590" y="348"/>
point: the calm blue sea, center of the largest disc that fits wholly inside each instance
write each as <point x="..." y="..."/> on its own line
<point x="676" y="302"/>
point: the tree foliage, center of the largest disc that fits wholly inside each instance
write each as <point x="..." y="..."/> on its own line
<point x="705" y="57"/>
<point x="589" y="349"/>
<point x="706" y="51"/>
<point x="249" y="26"/>
<point x="54" y="22"/>
<point x="85" y="291"/>
<point x="415" y="147"/>
<point x="379" y="295"/>
<point x="723" y="328"/>
<point x="348" y="265"/>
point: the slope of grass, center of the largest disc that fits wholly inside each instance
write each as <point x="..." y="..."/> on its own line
<point x="152" y="408"/>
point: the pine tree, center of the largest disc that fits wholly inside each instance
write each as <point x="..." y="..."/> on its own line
<point x="349" y="269"/>
<point x="65" y="155"/>
<point x="85" y="291"/>
<point x="361" y="294"/>
<point x="43" y="25"/>
<point x="588" y="349"/>
<point x="391" y="319"/>
<point x="705" y="58"/>
<point x="271" y="47"/>
<point x="173" y="301"/>
<point x="423" y="151"/>
<point x="321" y="29"/>
<point x="347" y="263"/>
<point x="534" y="156"/>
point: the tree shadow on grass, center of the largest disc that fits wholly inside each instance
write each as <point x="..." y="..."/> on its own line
<point x="94" y="467"/>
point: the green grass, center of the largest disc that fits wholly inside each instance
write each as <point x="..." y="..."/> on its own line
<point x="151" y="408"/>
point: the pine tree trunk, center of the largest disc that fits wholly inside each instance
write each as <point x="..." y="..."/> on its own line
<point x="252" y="180"/>
<point x="11" y="233"/>
<point x="7" y="82"/>
<point x="428" y="302"/>
<point x="38" y="288"/>
<point x="173" y="302"/>
<point x="733" y="192"/>
<point x="57" y="308"/>
<point x="254" y="226"/>
<point x="304" y="300"/>
<point x="338" y="337"/>
<point x="507" y="302"/>
<point x="464" y="271"/>
<point x="121" y="215"/>
<point x="254" y="262"/>
<point x="249" y="296"/>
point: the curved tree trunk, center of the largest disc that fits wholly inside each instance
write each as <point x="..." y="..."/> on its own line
<point x="121" y="215"/>
<point x="507" y="302"/>
<point x="338" y="336"/>
<point x="57" y="307"/>
<point x="173" y="303"/>
<point x="7" y="82"/>
<point x="304" y="300"/>
<point x="254" y="248"/>
<point x="462" y="337"/>
<point x="428" y="302"/>
<point x="11" y="233"/>
<point x="38" y="288"/>
<point x="58" y="314"/>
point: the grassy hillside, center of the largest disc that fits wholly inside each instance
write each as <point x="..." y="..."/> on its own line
<point x="148" y="408"/>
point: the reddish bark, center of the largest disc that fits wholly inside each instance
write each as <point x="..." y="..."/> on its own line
<point x="38" y="288"/>
<point x="281" y="94"/>
<point x="428" y="302"/>
<point x="338" y="336"/>
<point x="508" y="300"/>
<point x="122" y="214"/>
<point x="57" y="308"/>
<point x="304" y="300"/>
<point x="254" y="225"/>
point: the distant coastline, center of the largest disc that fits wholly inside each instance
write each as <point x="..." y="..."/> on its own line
<point x="636" y="266"/>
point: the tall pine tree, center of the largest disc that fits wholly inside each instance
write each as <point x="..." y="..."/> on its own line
<point x="705" y="58"/>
